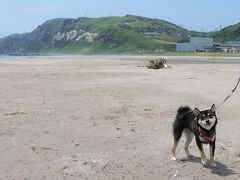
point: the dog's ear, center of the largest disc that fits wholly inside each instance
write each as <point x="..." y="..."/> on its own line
<point x="196" y="111"/>
<point x="213" y="108"/>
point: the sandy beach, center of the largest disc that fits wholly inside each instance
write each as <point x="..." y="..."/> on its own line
<point x="109" y="117"/>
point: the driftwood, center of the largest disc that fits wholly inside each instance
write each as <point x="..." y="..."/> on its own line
<point x="157" y="63"/>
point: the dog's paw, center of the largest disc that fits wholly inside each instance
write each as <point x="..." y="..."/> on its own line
<point x="173" y="158"/>
<point x="212" y="164"/>
<point x="204" y="162"/>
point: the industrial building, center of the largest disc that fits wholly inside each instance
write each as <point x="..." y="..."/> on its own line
<point x="195" y="44"/>
<point x="229" y="47"/>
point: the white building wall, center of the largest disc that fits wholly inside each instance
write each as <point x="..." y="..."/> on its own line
<point x="196" y="43"/>
<point x="183" y="47"/>
<point x="235" y="44"/>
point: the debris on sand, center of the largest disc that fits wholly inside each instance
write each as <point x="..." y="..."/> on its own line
<point x="158" y="63"/>
<point x="15" y="113"/>
<point x="50" y="149"/>
<point x="174" y="175"/>
<point x="84" y="163"/>
<point x="33" y="148"/>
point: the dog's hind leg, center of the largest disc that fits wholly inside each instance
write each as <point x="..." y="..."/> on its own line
<point x="177" y="133"/>
<point x="174" y="147"/>
<point x="189" y="137"/>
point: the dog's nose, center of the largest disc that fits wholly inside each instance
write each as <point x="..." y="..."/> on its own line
<point x="208" y="122"/>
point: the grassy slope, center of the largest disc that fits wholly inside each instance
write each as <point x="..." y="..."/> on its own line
<point x="118" y="37"/>
<point x="230" y="33"/>
<point x="128" y="39"/>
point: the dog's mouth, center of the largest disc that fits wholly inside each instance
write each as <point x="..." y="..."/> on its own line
<point x="207" y="123"/>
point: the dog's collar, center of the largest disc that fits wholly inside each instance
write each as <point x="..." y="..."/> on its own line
<point x="206" y="139"/>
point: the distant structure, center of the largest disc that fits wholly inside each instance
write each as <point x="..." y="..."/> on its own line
<point x="195" y="44"/>
<point x="229" y="47"/>
<point x="205" y="44"/>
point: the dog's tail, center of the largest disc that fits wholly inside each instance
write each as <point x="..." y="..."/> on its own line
<point x="182" y="111"/>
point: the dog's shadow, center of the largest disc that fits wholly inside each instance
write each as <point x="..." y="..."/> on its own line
<point x="221" y="169"/>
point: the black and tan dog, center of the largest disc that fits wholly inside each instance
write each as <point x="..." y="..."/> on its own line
<point x="202" y="124"/>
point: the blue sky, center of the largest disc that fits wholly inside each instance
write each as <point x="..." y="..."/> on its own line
<point x="18" y="16"/>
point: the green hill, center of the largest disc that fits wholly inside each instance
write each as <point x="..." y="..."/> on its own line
<point x="97" y="35"/>
<point x="230" y="33"/>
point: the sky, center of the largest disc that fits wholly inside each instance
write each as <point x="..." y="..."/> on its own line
<point x="18" y="16"/>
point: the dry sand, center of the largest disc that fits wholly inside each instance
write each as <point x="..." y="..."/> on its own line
<point x="96" y="117"/>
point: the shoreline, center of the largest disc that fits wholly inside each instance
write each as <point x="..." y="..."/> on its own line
<point x="170" y="59"/>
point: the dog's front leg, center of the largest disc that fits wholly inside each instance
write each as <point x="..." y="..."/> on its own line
<point x="202" y="153"/>
<point x="212" y="150"/>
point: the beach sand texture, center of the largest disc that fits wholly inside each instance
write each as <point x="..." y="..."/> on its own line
<point x="97" y="117"/>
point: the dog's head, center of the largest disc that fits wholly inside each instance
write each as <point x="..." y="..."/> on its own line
<point x="206" y="118"/>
